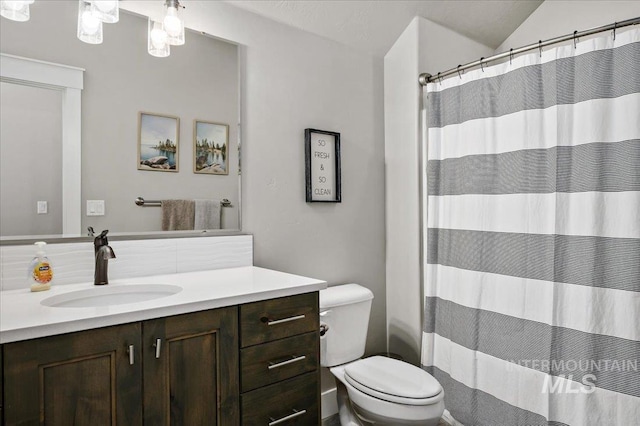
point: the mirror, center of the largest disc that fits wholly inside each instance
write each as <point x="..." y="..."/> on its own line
<point x="199" y="81"/>
<point x="19" y="106"/>
<point x="39" y="162"/>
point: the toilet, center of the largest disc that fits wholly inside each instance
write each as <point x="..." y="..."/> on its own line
<point x="375" y="390"/>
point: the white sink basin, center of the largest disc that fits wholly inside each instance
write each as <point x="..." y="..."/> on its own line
<point x="111" y="295"/>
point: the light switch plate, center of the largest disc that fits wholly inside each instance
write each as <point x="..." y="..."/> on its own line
<point x="42" y="207"/>
<point x="95" y="207"/>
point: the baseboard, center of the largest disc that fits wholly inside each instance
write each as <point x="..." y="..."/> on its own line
<point x="329" y="403"/>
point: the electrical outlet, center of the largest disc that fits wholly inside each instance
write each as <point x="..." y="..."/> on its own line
<point x="42" y="207"/>
<point x="95" y="207"/>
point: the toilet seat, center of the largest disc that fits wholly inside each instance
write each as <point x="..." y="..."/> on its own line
<point x="393" y="381"/>
<point x="383" y="412"/>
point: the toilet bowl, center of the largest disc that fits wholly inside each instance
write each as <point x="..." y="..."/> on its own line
<point x="385" y="391"/>
<point x="375" y="390"/>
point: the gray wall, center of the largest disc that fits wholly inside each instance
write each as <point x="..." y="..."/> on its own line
<point x="294" y="80"/>
<point x="424" y="46"/>
<point x="198" y="81"/>
<point x="30" y="148"/>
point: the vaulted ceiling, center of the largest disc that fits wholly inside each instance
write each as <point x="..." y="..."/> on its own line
<point x="375" y="25"/>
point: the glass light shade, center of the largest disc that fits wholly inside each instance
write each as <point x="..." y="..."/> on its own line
<point x="106" y="10"/>
<point x="15" y="10"/>
<point x="158" y="40"/>
<point x="174" y="26"/>
<point x="89" y="27"/>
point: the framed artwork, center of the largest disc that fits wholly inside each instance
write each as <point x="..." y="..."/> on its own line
<point x="158" y="142"/>
<point x="322" y="166"/>
<point x="210" y="148"/>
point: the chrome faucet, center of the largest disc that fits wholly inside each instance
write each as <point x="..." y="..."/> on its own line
<point x="103" y="253"/>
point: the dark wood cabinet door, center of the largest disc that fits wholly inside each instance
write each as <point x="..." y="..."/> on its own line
<point x="191" y="379"/>
<point x="83" y="378"/>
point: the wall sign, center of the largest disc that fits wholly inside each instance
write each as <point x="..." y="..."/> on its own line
<point x="322" y="152"/>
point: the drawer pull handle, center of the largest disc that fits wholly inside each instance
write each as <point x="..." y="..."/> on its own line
<point x="293" y="359"/>
<point x="157" y="345"/>
<point x="295" y="414"/>
<point x="283" y="320"/>
<point x="130" y="351"/>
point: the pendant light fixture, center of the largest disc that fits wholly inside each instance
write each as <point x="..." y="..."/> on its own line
<point x="16" y="10"/>
<point x="173" y="25"/>
<point x="168" y="32"/>
<point x="89" y="25"/>
<point x="93" y="13"/>
<point x="106" y="10"/>
<point x="157" y="40"/>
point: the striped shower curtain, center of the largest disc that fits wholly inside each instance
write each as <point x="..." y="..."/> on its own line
<point x="532" y="249"/>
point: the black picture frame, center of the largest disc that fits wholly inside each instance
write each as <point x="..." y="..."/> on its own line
<point x="315" y="191"/>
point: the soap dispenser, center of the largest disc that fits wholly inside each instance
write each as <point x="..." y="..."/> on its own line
<point x="40" y="273"/>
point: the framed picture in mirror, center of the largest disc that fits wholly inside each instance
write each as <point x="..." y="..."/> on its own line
<point x="158" y="142"/>
<point x="210" y="148"/>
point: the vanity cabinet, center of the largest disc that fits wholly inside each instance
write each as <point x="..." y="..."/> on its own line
<point x="184" y="369"/>
<point x="1" y="387"/>
<point x="255" y="364"/>
<point x="279" y="361"/>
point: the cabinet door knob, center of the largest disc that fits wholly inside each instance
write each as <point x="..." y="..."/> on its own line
<point x="295" y="414"/>
<point x="293" y="359"/>
<point x="157" y="345"/>
<point x="132" y="357"/>
<point x="283" y="320"/>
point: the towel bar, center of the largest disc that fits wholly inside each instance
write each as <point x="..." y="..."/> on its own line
<point x="157" y="203"/>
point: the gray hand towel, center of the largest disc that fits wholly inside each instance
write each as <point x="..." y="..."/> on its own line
<point x="207" y="214"/>
<point x="178" y="215"/>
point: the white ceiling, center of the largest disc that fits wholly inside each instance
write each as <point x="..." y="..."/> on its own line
<point x="375" y="25"/>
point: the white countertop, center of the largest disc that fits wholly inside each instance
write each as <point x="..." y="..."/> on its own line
<point x="23" y="317"/>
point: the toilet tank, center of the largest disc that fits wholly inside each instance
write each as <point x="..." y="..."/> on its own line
<point x="345" y="310"/>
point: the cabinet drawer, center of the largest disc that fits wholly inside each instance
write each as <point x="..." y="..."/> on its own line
<point x="292" y="402"/>
<point x="278" y="318"/>
<point x="279" y="360"/>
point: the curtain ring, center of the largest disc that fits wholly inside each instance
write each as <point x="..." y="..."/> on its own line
<point x="439" y="78"/>
<point x="510" y="56"/>
<point x="459" y="71"/>
<point x="481" y="65"/>
<point x="575" y="33"/>
<point x="615" y="24"/>
<point x="540" y="47"/>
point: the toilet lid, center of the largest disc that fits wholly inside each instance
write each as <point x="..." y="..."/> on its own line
<point x="387" y="376"/>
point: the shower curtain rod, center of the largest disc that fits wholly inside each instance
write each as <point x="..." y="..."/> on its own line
<point x="428" y="78"/>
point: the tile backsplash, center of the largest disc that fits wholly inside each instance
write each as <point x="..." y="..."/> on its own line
<point x="74" y="262"/>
